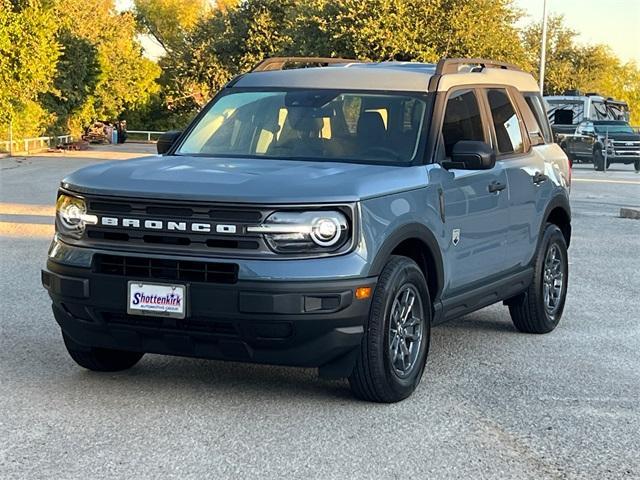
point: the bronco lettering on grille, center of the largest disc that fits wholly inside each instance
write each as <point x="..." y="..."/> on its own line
<point x="169" y="226"/>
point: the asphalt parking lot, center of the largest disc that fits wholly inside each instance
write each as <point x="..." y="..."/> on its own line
<point x="494" y="403"/>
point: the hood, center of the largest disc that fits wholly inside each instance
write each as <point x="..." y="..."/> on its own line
<point x="235" y="180"/>
<point x="623" y="137"/>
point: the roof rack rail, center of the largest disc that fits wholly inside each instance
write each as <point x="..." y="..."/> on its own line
<point x="452" y="65"/>
<point x="279" y="63"/>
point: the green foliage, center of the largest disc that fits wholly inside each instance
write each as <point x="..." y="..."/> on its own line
<point x="169" y="21"/>
<point x="75" y="80"/>
<point x="423" y="30"/>
<point x="30" y="120"/>
<point x="65" y="63"/>
<point x="229" y="42"/>
<point x="28" y="55"/>
<point x="102" y="71"/>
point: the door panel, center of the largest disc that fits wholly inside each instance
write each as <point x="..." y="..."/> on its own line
<point x="475" y="218"/>
<point x="482" y="219"/>
<point x="529" y="194"/>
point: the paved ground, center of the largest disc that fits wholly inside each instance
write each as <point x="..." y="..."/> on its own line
<point x="493" y="403"/>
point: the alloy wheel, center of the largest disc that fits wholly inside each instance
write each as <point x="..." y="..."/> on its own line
<point x="553" y="279"/>
<point x="406" y="326"/>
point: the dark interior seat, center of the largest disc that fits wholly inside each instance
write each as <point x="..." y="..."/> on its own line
<point x="370" y="130"/>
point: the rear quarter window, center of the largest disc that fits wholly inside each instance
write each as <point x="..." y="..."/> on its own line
<point x="506" y="122"/>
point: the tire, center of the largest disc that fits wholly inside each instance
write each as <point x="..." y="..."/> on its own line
<point x="598" y="160"/>
<point x="636" y="165"/>
<point x="101" y="359"/>
<point x="378" y="374"/>
<point x="530" y="311"/>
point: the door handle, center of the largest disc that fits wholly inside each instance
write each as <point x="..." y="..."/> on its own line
<point x="539" y="178"/>
<point x="496" y="187"/>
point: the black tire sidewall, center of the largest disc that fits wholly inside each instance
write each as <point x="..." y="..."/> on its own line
<point x="552" y="236"/>
<point x="404" y="272"/>
<point x="598" y="160"/>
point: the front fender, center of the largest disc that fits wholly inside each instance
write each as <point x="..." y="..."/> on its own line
<point x="407" y="232"/>
<point x="390" y="220"/>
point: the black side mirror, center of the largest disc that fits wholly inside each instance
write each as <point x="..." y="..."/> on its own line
<point x="166" y="141"/>
<point x="471" y="155"/>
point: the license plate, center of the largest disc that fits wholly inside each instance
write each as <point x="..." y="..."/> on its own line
<point x="159" y="299"/>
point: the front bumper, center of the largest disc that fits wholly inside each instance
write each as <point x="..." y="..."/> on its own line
<point x="307" y="324"/>
<point x="626" y="157"/>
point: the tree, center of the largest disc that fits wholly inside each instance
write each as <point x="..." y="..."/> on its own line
<point x="424" y="30"/>
<point x="28" y="56"/>
<point x="102" y="71"/>
<point x="562" y="54"/>
<point x="170" y="21"/>
<point x="75" y="80"/>
<point x="231" y="41"/>
<point x="590" y="68"/>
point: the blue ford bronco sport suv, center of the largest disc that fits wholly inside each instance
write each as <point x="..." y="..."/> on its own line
<point x="323" y="217"/>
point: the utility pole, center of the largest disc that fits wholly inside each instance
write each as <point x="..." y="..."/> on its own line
<point x="11" y="136"/>
<point x="543" y="46"/>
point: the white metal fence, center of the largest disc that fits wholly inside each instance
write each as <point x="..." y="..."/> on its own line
<point x="148" y="134"/>
<point x="27" y="145"/>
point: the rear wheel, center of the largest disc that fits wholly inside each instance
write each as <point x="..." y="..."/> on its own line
<point x="539" y="308"/>
<point x="101" y="359"/>
<point x="395" y="346"/>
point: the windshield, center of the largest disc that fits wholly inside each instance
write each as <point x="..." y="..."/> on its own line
<point x="613" y="128"/>
<point x="310" y="124"/>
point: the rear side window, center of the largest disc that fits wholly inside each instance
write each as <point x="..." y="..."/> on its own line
<point x="535" y="104"/>
<point x="505" y="122"/>
<point x="462" y="120"/>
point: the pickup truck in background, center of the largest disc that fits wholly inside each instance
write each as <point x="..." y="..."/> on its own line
<point x="566" y="112"/>
<point x="597" y="140"/>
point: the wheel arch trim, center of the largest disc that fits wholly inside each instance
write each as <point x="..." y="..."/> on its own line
<point x="408" y="232"/>
<point x="559" y="201"/>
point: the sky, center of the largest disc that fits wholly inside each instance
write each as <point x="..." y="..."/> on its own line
<point x="613" y="22"/>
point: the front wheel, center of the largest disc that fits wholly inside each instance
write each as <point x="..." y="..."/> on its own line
<point x="101" y="359"/>
<point x="540" y="307"/>
<point x="598" y="161"/>
<point x="395" y="346"/>
<point x="636" y="165"/>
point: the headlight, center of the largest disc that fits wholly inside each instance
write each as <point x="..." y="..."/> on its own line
<point x="296" y="232"/>
<point x="71" y="216"/>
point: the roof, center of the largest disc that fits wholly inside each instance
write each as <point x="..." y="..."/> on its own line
<point x="608" y="122"/>
<point x="394" y="76"/>
<point x="354" y="76"/>
<point x="578" y="98"/>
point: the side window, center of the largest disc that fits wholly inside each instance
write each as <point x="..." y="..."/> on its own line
<point x="505" y="122"/>
<point x="535" y="104"/>
<point x="462" y="120"/>
<point x="599" y="111"/>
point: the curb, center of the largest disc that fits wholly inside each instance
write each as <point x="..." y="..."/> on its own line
<point x="632" y="213"/>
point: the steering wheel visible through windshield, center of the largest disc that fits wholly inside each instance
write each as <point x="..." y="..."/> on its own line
<point x="310" y="124"/>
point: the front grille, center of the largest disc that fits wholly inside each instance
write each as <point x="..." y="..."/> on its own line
<point x="178" y="228"/>
<point x="144" y="238"/>
<point x="622" y="147"/>
<point x="195" y="324"/>
<point x="166" y="269"/>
